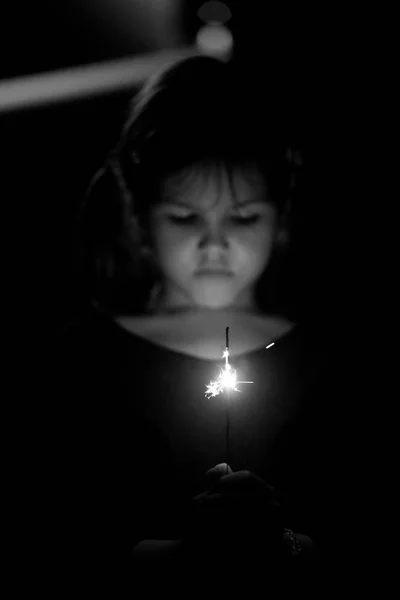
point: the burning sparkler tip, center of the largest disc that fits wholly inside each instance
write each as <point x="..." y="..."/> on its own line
<point x="227" y="379"/>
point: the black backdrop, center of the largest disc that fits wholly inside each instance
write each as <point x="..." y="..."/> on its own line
<point x="48" y="156"/>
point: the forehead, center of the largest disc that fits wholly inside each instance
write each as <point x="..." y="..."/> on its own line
<point x="206" y="186"/>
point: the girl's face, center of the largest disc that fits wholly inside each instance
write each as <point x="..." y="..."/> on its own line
<point x="212" y="239"/>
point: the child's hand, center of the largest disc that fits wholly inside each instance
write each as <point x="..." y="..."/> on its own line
<point x="238" y="514"/>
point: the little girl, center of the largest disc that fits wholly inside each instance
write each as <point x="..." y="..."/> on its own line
<point x="182" y="235"/>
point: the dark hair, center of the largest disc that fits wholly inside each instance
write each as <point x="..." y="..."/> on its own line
<point x="199" y="111"/>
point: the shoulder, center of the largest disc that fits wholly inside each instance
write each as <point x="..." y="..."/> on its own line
<point x="276" y="325"/>
<point x="73" y="332"/>
<point x="271" y="327"/>
<point x="82" y="337"/>
<point x="84" y="358"/>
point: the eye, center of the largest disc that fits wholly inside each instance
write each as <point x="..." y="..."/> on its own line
<point x="182" y="219"/>
<point x="246" y="220"/>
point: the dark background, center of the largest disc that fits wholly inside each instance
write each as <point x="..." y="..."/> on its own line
<point x="51" y="152"/>
<point x="311" y="59"/>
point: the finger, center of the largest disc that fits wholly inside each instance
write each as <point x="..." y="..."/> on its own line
<point x="218" y="471"/>
<point x="243" y="482"/>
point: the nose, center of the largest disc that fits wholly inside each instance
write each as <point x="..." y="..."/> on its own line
<point x="214" y="240"/>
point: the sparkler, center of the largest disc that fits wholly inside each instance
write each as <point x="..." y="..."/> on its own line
<point x="226" y="382"/>
<point x="227" y="378"/>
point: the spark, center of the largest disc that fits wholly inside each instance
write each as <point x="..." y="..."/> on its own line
<point x="227" y="379"/>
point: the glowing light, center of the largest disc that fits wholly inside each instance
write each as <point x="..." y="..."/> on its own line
<point x="215" y="40"/>
<point x="226" y="380"/>
<point x="30" y="91"/>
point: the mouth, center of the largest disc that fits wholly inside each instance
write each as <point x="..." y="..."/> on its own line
<point x="214" y="272"/>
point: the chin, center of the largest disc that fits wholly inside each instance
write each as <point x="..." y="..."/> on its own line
<point x="210" y="307"/>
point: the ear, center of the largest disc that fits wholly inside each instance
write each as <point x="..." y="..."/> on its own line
<point x="282" y="237"/>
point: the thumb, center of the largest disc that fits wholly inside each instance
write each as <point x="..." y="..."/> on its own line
<point x="212" y="475"/>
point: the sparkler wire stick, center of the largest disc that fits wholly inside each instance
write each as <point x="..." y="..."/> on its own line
<point x="227" y="406"/>
<point x="227" y="434"/>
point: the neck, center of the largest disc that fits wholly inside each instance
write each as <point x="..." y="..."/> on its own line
<point x="162" y="303"/>
<point x="160" y="308"/>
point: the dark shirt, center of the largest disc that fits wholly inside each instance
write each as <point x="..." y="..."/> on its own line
<point x="134" y="432"/>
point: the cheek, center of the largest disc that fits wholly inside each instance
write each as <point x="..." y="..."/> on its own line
<point x="173" y="247"/>
<point x="256" y="247"/>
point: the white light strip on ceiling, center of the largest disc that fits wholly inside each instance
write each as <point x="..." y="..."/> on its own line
<point x="80" y="82"/>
